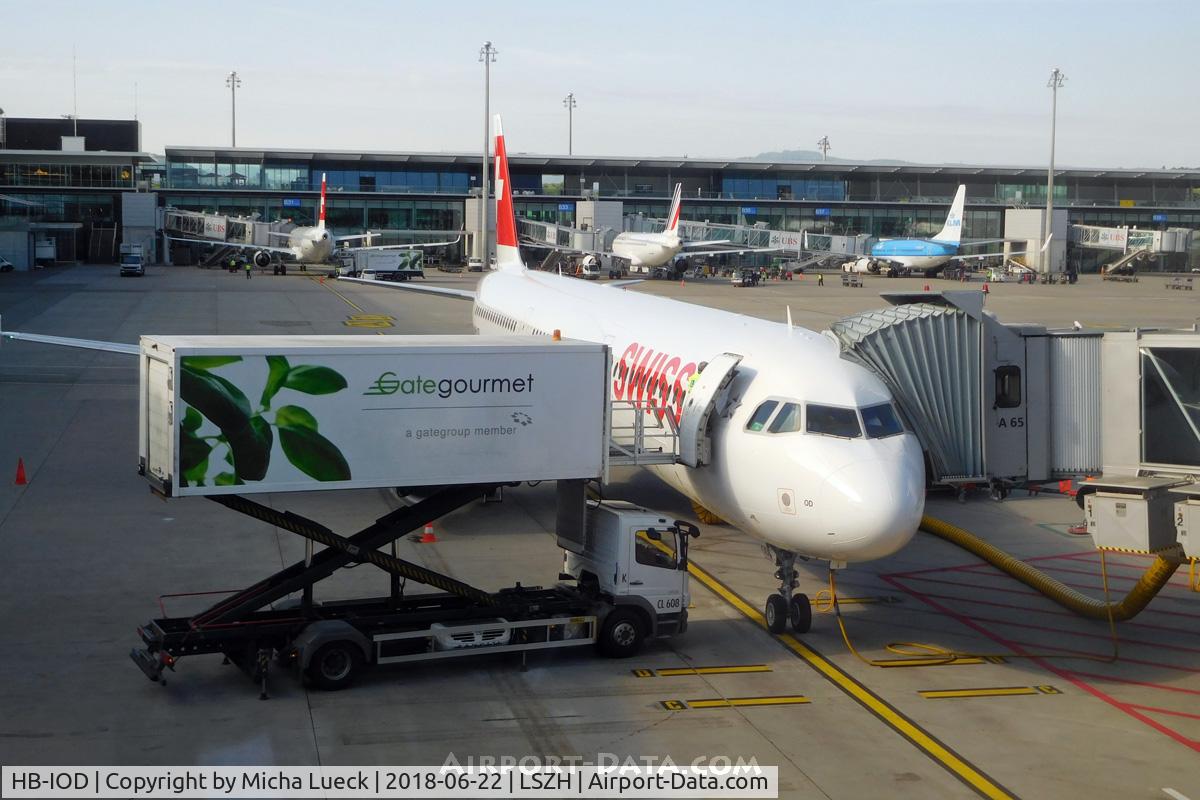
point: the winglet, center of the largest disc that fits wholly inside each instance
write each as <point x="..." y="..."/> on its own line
<point x="321" y="214"/>
<point x="951" y="232"/>
<point x="508" y="254"/>
<point x="673" y="214"/>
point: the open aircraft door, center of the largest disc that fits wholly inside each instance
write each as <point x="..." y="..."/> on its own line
<point x="695" y="445"/>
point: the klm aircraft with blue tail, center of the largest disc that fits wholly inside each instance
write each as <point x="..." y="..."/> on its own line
<point x="923" y="255"/>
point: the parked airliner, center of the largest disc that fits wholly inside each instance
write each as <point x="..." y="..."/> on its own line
<point x="309" y="244"/>
<point x="646" y="250"/>
<point x="924" y="255"/>
<point x="784" y="439"/>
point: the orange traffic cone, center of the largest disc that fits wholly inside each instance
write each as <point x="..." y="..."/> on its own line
<point x="927" y="287"/>
<point x="322" y="279"/>
<point x="427" y="535"/>
<point x="681" y="281"/>
<point x="985" y="289"/>
<point x="20" y="481"/>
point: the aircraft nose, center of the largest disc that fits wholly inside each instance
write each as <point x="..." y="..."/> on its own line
<point x="873" y="507"/>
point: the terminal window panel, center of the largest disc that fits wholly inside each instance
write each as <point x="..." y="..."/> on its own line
<point x="1171" y="406"/>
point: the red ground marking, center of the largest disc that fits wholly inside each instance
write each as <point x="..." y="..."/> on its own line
<point x="1080" y="634"/>
<point x="1066" y="675"/>
<point x="1031" y="593"/>
<point x="1171" y="711"/>
<point x="1058" y="611"/>
<point x="1131" y="682"/>
<point x="1095" y="574"/>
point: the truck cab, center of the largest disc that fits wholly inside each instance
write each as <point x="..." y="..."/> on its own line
<point x="636" y="560"/>
<point x="131" y="260"/>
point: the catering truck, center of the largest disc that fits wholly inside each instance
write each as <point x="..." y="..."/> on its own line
<point x="227" y="417"/>
<point x="383" y="265"/>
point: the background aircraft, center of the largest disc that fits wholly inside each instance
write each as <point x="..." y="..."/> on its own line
<point x="309" y="244"/>
<point x="925" y="255"/>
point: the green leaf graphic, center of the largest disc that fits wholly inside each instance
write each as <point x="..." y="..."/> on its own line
<point x="295" y="417"/>
<point x="279" y="367"/>
<point x="251" y="446"/>
<point x="215" y="398"/>
<point x="313" y="454"/>
<point x="227" y="479"/>
<point x="314" y="380"/>
<point x="191" y="420"/>
<point x="192" y="450"/>
<point x="208" y="362"/>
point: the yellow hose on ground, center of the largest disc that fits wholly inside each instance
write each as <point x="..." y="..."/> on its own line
<point x="1151" y="582"/>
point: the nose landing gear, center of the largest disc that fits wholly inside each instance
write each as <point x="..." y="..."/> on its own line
<point x="785" y="607"/>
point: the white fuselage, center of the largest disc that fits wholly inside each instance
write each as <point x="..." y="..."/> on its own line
<point x="311" y="245"/>
<point x="821" y="496"/>
<point x="647" y="249"/>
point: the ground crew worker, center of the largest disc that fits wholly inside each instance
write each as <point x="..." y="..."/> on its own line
<point x="695" y="376"/>
<point x="248" y="265"/>
<point x="820" y="279"/>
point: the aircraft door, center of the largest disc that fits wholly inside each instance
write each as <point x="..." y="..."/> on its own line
<point x="695" y="443"/>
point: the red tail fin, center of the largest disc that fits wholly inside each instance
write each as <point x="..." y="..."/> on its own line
<point x="673" y="214"/>
<point x="508" y="254"/>
<point x="321" y="215"/>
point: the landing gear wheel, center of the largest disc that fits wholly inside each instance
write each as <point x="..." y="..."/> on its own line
<point x="800" y="613"/>
<point x="705" y="516"/>
<point x="335" y="666"/>
<point x="776" y="613"/>
<point x="621" y="635"/>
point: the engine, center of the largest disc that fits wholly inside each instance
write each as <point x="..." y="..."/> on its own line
<point x="262" y="259"/>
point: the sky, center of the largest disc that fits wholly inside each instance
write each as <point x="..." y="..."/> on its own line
<point x="929" y="81"/>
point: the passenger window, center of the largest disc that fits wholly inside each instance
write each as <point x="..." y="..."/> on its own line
<point x="787" y="420"/>
<point x="881" y="421"/>
<point x="833" y="421"/>
<point x="1008" y="387"/>
<point x="761" y="415"/>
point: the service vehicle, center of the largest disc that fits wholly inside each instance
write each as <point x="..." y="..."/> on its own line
<point x="383" y="265"/>
<point x="461" y="416"/>
<point x="131" y="260"/>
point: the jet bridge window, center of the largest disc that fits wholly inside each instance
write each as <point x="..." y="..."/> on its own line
<point x="1008" y="386"/>
<point x="833" y="421"/>
<point x="761" y="415"/>
<point x="881" y="421"/>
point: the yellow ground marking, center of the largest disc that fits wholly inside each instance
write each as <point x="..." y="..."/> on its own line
<point x="349" y="302"/>
<point x="734" y="702"/>
<point x="918" y="736"/>
<point x="369" y="321"/>
<point x="995" y="691"/>
<point x="676" y="671"/>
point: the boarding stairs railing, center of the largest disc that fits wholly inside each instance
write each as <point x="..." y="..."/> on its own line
<point x="641" y="434"/>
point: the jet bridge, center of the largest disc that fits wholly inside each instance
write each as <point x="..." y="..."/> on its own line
<point x="990" y="402"/>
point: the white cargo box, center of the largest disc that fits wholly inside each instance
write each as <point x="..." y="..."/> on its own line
<point x="1135" y="513"/>
<point x="250" y="414"/>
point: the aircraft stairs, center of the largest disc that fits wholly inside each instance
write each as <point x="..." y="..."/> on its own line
<point x="641" y="434"/>
<point x="218" y="257"/>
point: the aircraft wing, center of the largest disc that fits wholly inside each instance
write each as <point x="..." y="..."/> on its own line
<point x="285" y="251"/>
<point x="990" y="255"/>
<point x="66" y="341"/>
<point x="736" y="251"/>
<point x="404" y="246"/>
<point x="409" y="286"/>
<point x="623" y="284"/>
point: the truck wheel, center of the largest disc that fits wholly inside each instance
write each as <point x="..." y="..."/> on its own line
<point x="335" y="666"/>
<point x="621" y="635"/>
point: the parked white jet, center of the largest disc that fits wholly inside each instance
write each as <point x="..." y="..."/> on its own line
<point x="310" y="244"/>
<point x="780" y="436"/>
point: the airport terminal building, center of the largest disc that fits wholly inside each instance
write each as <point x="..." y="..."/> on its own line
<point x="49" y="176"/>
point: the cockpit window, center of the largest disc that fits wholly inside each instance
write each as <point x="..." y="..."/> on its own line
<point x="761" y="415"/>
<point x="787" y="420"/>
<point x="881" y="421"/>
<point x="833" y="421"/>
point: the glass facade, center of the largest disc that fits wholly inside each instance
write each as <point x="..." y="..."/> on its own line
<point x="56" y="207"/>
<point x="342" y="214"/>
<point x="759" y="187"/>
<point x="82" y="175"/>
<point x="303" y="176"/>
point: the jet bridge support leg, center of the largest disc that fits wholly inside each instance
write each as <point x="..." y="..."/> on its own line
<point x="784" y="606"/>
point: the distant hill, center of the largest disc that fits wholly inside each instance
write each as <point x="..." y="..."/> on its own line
<point x="815" y="155"/>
